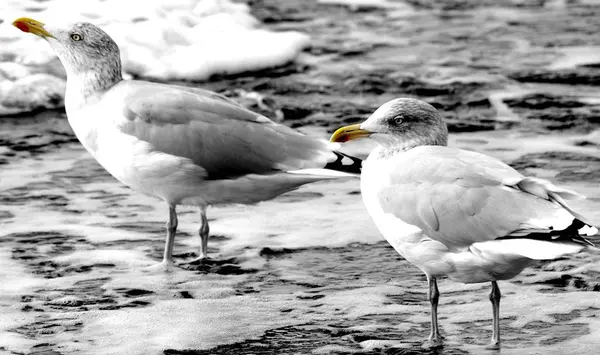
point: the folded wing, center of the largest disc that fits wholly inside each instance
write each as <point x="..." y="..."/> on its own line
<point x="216" y="133"/>
<point x="463" y="198"/>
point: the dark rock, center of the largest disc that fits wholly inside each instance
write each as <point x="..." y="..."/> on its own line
<point x="295" y="113"/>
<point x="283" y="70"/>
<point x="542" y="101"/>
<point x="557" y="112"/>
<point x="186" y="294"/>
<point x="134" y="292"/>
<point x="470" y="126"/>
<point x="310" y="297"/>
<point x="217" y="266"/>
<point x="571" y="166"/>
<point x="268" y="253"/>
<point x="585" y="143"/>
<point x="578" y="76"/>
<point x="273" y="12"/>
<point x="44" y="349"/>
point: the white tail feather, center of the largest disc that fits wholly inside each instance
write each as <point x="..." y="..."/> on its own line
<point x="543" y="188"/>
<point x="325" y="173"/>
<point x="588" y="231"/>
<point x="558" y="199"/>
<point x="529" y="248"/>
<point x="334" y="146"/>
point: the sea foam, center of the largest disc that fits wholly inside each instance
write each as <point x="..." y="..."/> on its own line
<point x="177" y="40"/>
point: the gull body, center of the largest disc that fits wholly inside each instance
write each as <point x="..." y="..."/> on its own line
<point x="165" y="156"/>
<point x="458" y="213"/>
<point x="184" y="145"/>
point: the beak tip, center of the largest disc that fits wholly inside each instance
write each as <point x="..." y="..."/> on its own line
<point x="29" y="25"/>
<point x="338" y="139"/>
<point x="348" y="133"/>
<point x="21" y="25"/>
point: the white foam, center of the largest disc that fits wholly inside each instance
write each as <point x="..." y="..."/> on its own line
<point x="503" y="112"/>
<point x="571" y="57"/>
<point x="335" y="219"/>
<point x="185" y="39"/>
<point x="334" y="349"/>
<point x="128" y="258"/>
<point x="372" y="344"/>
<point x="179" y="324"/>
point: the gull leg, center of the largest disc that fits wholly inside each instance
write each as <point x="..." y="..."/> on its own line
<point x="167" y="263"/>
<point x="204" y="230"/>
<point x="434" y="295"/>
<point x="171" y="230"/>
<point x="495" y="299"/>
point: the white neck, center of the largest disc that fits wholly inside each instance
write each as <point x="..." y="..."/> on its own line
<point x="91" y="82"/>
<point x="86" y="87"/>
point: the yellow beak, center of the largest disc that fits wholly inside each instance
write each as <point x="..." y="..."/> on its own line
<point x="26" y="24"/>
<point x="348" y="133"/>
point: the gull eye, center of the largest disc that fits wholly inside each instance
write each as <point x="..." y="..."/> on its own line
<point x="398" y="119"/>
<point x="76" y="37"/>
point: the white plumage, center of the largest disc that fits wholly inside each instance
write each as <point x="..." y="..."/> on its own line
<point x="458" y="213"/>
<point x="183" y="145"/>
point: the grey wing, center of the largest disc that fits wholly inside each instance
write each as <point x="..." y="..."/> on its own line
<point x="225" y="139"/>
<point x="460" y="198"/>
<point x="206" y="93"/>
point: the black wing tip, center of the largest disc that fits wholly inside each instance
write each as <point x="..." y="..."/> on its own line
<point x="569" y="234"/>
<point x="354" y="166"/>
<point x="574" y="230"/>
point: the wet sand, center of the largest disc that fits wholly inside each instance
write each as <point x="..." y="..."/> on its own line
<point x="304" y="273"/>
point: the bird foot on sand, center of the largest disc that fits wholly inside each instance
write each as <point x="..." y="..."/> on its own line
<point x="494" y="345"/>
<point x="163" y="266"/>
<point x="433" y="343"/>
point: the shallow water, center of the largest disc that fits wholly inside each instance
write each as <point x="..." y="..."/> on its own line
<point x="308" y="273"/>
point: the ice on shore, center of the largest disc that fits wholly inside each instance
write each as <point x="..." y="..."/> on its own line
<point x="178" y="40"/>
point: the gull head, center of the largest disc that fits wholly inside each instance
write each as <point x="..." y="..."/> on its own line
<point x="81" y="47"/>
<point x="400" y="122"/>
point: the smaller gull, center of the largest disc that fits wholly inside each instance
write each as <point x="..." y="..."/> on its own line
<point x="457" y="213"/>
<point x="184" y="145"/>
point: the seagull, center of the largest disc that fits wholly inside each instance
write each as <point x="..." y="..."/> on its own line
<point x="183" y="145"/>
<point x="457" y="213"/>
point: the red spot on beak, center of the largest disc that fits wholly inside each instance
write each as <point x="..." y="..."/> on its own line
<point x="22" y="26"/>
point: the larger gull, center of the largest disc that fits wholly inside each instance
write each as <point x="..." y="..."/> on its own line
<point x="457" y="213"/>
<point x="186" y="146"/>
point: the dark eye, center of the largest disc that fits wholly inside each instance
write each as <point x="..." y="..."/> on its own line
<point x="398" y="119"/>
<point x="76" y="37"/>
